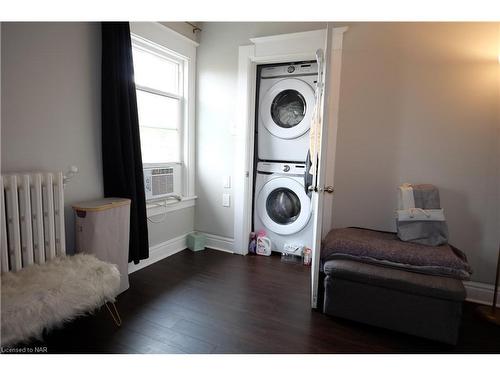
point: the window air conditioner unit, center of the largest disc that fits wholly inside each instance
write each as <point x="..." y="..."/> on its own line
<point x="162" y="182"/>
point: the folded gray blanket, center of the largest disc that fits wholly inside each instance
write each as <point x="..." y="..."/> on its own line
<point x="386" y="249"/>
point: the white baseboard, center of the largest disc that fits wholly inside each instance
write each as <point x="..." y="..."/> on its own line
<point x="159" y="252"/>
<point x="219" y="243"/>
<point x="480" y="293"/>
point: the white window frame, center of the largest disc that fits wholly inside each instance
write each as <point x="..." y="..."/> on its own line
<point x="147" y="46"/>
<point x="159" y="39"/>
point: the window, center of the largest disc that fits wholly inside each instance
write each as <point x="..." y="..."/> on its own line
<point x="159" y="80"/>
<point x="164" y="68"/>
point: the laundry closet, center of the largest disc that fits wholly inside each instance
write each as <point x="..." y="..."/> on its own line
<point x="282" y="209"/>
<point x="288" y="92"/>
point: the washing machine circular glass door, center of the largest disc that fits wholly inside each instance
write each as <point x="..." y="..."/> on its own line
<point x="283" y="206"/>
<point x="286" y="108"/>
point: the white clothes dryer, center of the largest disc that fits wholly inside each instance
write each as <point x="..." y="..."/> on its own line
<point x="285" y="108"/>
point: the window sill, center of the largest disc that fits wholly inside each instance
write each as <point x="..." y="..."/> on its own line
<point x="163" y="206"/>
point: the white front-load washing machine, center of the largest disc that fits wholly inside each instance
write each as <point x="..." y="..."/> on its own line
<point x="285" y="109"/>
<point x="282" y="206"/>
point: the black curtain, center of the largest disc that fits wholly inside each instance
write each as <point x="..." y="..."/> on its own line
<point x="121" y="147"/>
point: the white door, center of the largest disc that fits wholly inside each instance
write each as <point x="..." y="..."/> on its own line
<point x="323" y="134"/>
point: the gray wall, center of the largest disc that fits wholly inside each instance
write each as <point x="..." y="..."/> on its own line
<point x="51" y="104"/>
<point x="420" y="103"/>
<point x="51" y="111"/>
<point x="216" y="113"/>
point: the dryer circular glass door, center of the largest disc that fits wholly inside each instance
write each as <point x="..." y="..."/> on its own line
<point x="283" y="206"/>
<point x="286" y="108"/>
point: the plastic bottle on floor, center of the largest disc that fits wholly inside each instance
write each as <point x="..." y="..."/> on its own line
<point x="263" y="244"/>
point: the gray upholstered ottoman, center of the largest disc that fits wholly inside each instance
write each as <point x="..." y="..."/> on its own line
<point x="418" y="304"/>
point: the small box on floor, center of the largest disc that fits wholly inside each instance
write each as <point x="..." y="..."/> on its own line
<point x="293" y="249"/>
<point x="292" y="253"/>
<point x="195" y="241"/>
<point x="291" y="258"/>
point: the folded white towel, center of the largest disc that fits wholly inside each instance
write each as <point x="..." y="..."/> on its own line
<point x="406" y="200"/>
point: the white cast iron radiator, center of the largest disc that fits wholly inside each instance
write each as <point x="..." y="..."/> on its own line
<point x="32" y="219"/>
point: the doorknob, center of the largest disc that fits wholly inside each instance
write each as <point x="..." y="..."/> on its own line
<point x="328" y="189"/>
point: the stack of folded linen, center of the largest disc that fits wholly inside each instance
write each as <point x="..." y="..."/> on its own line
<point x="420" y="218"/>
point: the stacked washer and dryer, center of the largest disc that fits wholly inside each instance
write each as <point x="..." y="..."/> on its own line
<point x="282" y="202"/>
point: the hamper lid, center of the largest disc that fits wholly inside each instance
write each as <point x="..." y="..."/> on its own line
<point x="101" y="204"/>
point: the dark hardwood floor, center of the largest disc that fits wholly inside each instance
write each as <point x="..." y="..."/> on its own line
<point x="214" y="302"/>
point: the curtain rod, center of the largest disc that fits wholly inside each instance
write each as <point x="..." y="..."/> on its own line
<point x="195" y="28"/>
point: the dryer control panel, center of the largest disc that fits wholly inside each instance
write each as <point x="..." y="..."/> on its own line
<point x="286" y="70"/>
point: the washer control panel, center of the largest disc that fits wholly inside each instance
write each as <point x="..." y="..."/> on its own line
<point x="281" y="168"/>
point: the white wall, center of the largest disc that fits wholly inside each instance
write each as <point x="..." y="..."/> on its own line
<point x="51" y="115"/>
<point x="184" y="29"/>
<point x="216" y="113"/>
<point x="420" y="103"/>
<point x="171" y="225"/>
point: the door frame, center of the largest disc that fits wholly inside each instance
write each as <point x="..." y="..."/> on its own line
<point x="268" y="50"/>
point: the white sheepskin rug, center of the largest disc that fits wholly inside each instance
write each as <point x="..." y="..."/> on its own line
<point x="41" y="297"/>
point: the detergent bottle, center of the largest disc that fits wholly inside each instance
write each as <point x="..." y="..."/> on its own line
<point x="263" y="244"/>
<point x="252" y="243"/>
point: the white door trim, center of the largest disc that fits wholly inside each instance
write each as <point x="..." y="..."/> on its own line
<point x="249" y="56"/>
<point x="243" y="139"/>
<point x="244" y="132"/>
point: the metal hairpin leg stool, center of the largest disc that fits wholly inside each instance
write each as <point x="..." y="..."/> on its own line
<point x="114" y="313"/>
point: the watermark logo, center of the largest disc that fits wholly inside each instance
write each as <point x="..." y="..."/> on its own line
<point x="24" y="350"/>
